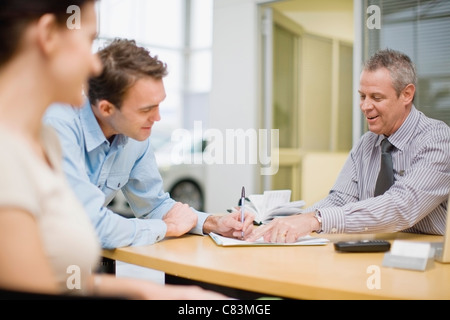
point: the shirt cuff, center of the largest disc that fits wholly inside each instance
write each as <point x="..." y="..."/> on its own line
<point x="333" y="220"/>
<point x="198" y="229"/>
<point x="149" y="231"/>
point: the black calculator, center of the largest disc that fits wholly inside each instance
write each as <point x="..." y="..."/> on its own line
<point x="363" y="246"/>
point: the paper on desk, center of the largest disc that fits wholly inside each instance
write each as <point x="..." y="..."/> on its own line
<point x="303" y="241"/>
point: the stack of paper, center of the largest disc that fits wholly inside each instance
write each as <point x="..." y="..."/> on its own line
<point x="303" y="241"/>
<point x="271" y="204"/>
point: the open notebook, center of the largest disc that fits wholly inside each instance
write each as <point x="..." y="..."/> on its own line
<point x="303" y="241"/>
<point x="442" y="250"/>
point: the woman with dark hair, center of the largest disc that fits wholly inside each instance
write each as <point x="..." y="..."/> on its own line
<point x="48" y="245"/>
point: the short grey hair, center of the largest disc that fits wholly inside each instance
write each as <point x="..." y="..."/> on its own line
<point x="400" y="66"/>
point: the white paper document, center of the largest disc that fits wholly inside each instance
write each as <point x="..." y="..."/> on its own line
<point x="271" y="204"/>
<point x="303" y="241"/>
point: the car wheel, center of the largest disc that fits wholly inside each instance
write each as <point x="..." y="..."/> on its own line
<point x="188" y="192"/>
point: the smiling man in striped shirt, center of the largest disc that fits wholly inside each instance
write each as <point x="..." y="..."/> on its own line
<point x="417" y="200"/>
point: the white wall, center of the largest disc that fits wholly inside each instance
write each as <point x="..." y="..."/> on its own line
<point x="234" y="95"/>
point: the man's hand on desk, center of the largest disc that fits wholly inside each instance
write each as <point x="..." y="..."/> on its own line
<point x="179" y="220"/>
<point x="286" y="229"/>
<point x="229" y="225"/>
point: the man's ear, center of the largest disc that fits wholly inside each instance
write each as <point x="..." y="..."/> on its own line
<point x="408" y="93"/>
<point x="105" y="108"/>
<point x="48" y="33"/>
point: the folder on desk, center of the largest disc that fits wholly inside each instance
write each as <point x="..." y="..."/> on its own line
<point x="303" y="241"/>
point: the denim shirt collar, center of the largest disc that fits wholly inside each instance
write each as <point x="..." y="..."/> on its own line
<point x="93" y="134"/>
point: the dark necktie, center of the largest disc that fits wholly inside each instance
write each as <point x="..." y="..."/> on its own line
<point x="386" y="176"/>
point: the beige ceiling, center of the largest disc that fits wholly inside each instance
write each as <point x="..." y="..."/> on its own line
<point x="313" y="5"/>
<point x="331" y="18"/>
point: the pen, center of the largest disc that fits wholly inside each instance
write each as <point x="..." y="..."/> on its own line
<point x="242" y="207"/>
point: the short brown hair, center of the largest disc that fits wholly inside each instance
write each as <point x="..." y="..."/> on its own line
<point x="123" y="64"/>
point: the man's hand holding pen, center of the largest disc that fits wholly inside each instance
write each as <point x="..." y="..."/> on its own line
<point x="237" y="224"/>
<point x="230" y="225"/>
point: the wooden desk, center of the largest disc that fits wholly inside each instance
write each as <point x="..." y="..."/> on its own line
<point x="299" y="272"/>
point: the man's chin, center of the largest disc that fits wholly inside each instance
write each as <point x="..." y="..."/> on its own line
<point x="142" y="137"/>
<point x="374" y="129"/>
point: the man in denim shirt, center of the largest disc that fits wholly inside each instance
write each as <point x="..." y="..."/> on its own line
<point x="106" y="149"/>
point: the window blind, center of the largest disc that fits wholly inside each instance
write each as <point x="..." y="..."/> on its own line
<point x="420" y="29"/>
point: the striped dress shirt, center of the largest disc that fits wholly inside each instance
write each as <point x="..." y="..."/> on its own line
<point x="416" y="202"/>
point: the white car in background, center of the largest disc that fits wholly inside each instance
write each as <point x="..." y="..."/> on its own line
<point x="182" y="170"/>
